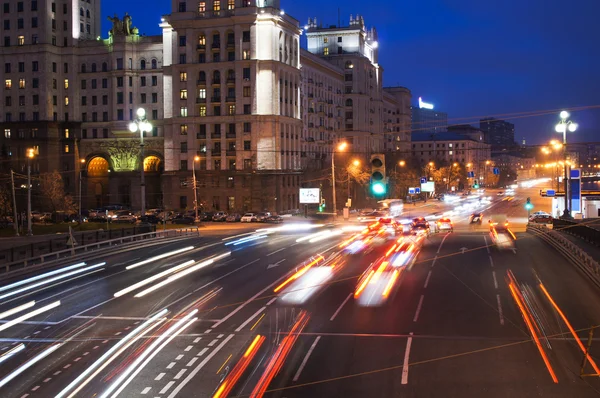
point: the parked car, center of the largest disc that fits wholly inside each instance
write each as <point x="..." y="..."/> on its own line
<point x="541" y="218"/>
<point x="219" y="216"/>
<point x="151" y="219"/>
<point x="182" y="219"/>
<point x="248" y="217"/>
<point x="262" y="217"/>
<point x="125" y="217"/>
<point x="274" y="219"/>
<point x="233" y="217"/>
<point x="206" y="216"/>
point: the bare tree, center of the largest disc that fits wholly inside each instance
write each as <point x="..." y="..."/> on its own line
<point x="5" y="201"/>
<point x="53" y="191"/>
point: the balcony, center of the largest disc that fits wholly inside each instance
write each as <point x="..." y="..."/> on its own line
<point x="229" y="99"/>
<point x="201" y="47"/>
<point x="215" y="135"/>
<point x="216" y="82"/>
<point x="231" y="80"/>
<point x="230" y="45"/>
<point x="216" y="46"/>
<point x="230" y="134"/>
<point x="201" y="100"/>
<point x="215" y="99"/>
<point x="310" y="125"/>
<point x="230" y="152"/>
<point x="330" y="102"/>
<point x="311" y="110"/>
<point x="201" y="82"/>
<point x="201" y="136"/>
<point x="215" y="152"/>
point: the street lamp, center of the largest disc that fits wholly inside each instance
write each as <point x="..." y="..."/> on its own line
<point x="562" y="127"/>
<point x="82" y="161"/>
<point x="196" y="159"/>
<point x="340" y="148"/>
<point x="30" y="155"/>
<point x="449" y="172"/>
<point x="141" y="124"/>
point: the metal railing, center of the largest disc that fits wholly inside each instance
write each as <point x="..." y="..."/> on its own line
<point x="78" y="250"/>
<point x="579" y="229"/>
<point x="575" y="254"/>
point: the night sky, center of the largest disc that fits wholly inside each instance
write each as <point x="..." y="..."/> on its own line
<point x="470" y="58"/>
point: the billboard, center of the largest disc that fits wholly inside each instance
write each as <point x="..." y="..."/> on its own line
<point x="310" y="196"/>
<point x="429" y="186"/>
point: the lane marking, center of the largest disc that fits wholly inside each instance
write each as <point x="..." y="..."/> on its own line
<point x="160" y="376"/>
<point x="192" y="361"/>
<point x="208" y="331"/>
<point x="433" y="262"/>
<point x="224" y="363"/>
<point x="57" y="373"/>
<point x="303" y="364"/>
<point x="169" y="366"/>
<point x="442" y="242"/>
<point x="495" y="280"/>
<point x="500" y="309"/>
<point x="418" y="308"/>
<point x="179" y="357"/>
<point x="200" y="366"/>
<point x="427" y="280"/>
<point x="35" y="388"/>
<point x="178" y="375"/>
<point x="340" y="307"/>
<point x="197" y="339"/>
<point x="202" y="352"/>
<point x="47" y="379"/>
<point x="77" y="359"/>
<point x="406" y="357"/>
<point x="221" y="277"/>
<point x="188" y="348"/>
<point x="221" y="335"/>
<point x="276" y="251"/>
<point x="491" y="261"/>
<point x="67" y="366"/>
<point x="275" y="264"/>
<point x="145" y="390"/>
<point x="247" y="321"/>
<point x="212" y="343"/>
<point x="486" y="244"/>
<point x="167" y="387"/>
<point x="272" y="300"/>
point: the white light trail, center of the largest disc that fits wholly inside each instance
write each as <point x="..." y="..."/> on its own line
<point x="103" y="360"/>
<point x="244" y="240"/>
<point x="325" y="236"/>
<point x="30" y="363"/>
<point x="153" y="278"/>
<point x="45" y="275"/>
<point x="46" y="281"/>
<point x="124" y="374"/>
<point x="181" y="274"/>
<point x="159" y="257"/>
<point x="311" y="236"/>
<point x="11" y="352"/>
<point x="17" y="309"/>
<point x="29" y="315"/>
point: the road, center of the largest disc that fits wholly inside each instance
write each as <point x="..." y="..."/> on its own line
<point x="216" y="321"/>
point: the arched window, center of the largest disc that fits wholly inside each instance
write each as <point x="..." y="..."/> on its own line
<point x="82" y="68"/>
<point x="154" y="63"/>
<point x="349" y="65"/>
<point x="143" y="64"/>
<point x="81" y="12"/>
<point x="231" y="75"/>
<point x="216" y="77"/>
<point x="94" y="67"/>
<point x="202" y="40"/>
<point x="104" y="67"/>
<point x="87" y="13"/>
<point x="349" y="102"/>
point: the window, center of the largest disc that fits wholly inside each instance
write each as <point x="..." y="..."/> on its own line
<point x="154" y="63"/>
<point x="35" y="99"/>
<point x="143" y="98"/>
<point x="104" y="83"/>
<point x="67" y="148"/>
<point x="230" y="56"/>
<point x="201" y="58"/>
<point x="202" y="110"/>
<point x="120" y="97"/>
<point x="202" y="6"/>
<point x="247" y="145"/>
<point x="231" y="110"/>
<point x="143" y="81"/>
<point x="202" y="93"/>
<point x="21" y="40"/>
<point x="182" y="41"/>
<point x="66" y="133"/>
<point x="66" y="84"/>
<point x="7" y="24"/>
<point x="247" y="127"/>
<point x="104" y="67"/>
<point x="21" y="100"/>
<point x="183" y="94"/>
<point x="7" y="67"/>
<point x="34" y="5"/>
<point x="6" y="133"/>
<point x="246" y="91"/>
<point x="246" y="73"/>
<point x="183" y="129"/>
<point x="94" y="100"/>
<point x="230" y="4"/>
<point x="154" y="114"/>
<point x="84" y="100"/>
<point x="183" y="147"/>
<point x="339" y="39"/>
<point x="183" y="76"/>
<point x="83" y="84"/>
<point x="34" y="22"/>
<point x="183" y="164"/>
<point x="182" y="58"/>
<point x="182" y="6"/>
<point x="119" y="63"/>
<point x="154" y="81"/>
<point x="326" y="51"/>
<point x="247" y="164"/>
<point x="217" y="5"/>
<point x="183" y="112"/>
<point x="94" y="83"/>
<point x="35" y="83"/>
<point x="20" y="23"/>
<point x="119" y="81"/>
<point x="326" y="40"/>
<point x="21" y="83"/>
<point x="217" y="110"/>
<point x="105" y="117"/>
<point x="246" y="36"/>
<point x="217" y="57"/>
<point x="21" y="67"/>
<point x="154" y="98"/>
<point x="246" y="54"/>
<point x="120" y="114"/>
<point x="247" y="109"/>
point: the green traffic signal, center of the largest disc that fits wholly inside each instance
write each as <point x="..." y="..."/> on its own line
<point x="378" y="188"/>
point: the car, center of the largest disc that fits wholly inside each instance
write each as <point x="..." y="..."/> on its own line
<point x="261" y="217"/>
<point x="419" y="226"/>
<point x="391" y="226"/>
<point x="372" y="216"/>
<point x="501" y="235"/>
<point x="541" y="218"/>
<point x="476" y="218"/>
<point x="182" y="219"/>
<point x="206" y="216"/>
<point x="248" y="217"/>
<point x="444" y="224"/>
<point x="233" y="217"/>
<point x="501" y="193"/>
<point x="274" y="219"/>
<point x="151" y="219"/>
<point x="219" y="216"/>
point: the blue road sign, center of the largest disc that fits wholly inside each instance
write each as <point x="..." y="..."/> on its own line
<point x="575" y="183"/>
<point x="496" y="171"/>
<point x="411" y="191"/>
<point x="550" y="192"/>
<point x="423" y="180"/>
<point x="471" y="174"/>
<point x="575" y="173"/>
<point x="417" y="190"/>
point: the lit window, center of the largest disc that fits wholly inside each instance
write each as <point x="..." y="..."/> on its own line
<point x="21" y="40"/>
<point x="183" y="111"/>
<point x="21" y="83"/>
<point x="202" y="6"/>
<point x="183" y="76"/>
<point x="67" y="148"/>
<point x="217" y="5"/>
<point x="202" y="110"/>
<point x="230" y="4"/>
<point x="246" y="54"/>
<point x="450" y="152"/>
<point x="66" y="133"/>
<point x="326" y="40"/>
<point x="66" y="84"/>
<point x="202" y="93"/>
<point x="66" y="100"/>
<point x="202" y="40"/>
<point x="183" y="94"/>
<point x="450" y="145"/>
<point x="7" y="84"/>
<point x="6" y="133"/>
<point x="231" y="110"/>
<point x="183" y="129"/>
<point x="326" y="51"/>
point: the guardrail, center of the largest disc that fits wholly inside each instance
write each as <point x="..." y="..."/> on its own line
<point x="569" y="250"/>
<point x="579" y="229"/>
<point x="79" y="250"/>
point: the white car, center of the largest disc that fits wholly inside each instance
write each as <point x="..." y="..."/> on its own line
<point x="248" y="217"/>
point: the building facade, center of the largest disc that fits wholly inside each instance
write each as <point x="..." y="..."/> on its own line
<point x="425" y="119"/>
<point x="499" y="133"/>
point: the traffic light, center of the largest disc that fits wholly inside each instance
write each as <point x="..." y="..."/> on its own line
<point x="378" y="179"/>
<point x="528" y="205"/>
<point x="476" y="184"/>
<point x="322" y="206"/>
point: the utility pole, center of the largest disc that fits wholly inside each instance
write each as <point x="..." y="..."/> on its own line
<point x="30" y="154"/>
<point x="15" y="222"/>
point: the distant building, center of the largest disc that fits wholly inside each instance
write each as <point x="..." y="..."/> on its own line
<point x="425" y="119"/>
<point x="499" y="133"/>
<point x="515" y="160"/>
<point x="468" y="131"/>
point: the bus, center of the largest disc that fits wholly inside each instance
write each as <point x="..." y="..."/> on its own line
<point x="392" y="206"/>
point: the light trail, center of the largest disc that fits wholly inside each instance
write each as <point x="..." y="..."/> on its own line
<point x="311" y="236"/>
<point x="17" y="309"/>
<point x="45" y="282"/>
<point x="245" y="240"/>
<point x="12" y="352"/>
<point x="159" y="257"/>
<point x="42" y="276"/>
<point x="239" y="368"/>
<point x="325" y="236"/>
<point x="298" y="274"/>
<point x="390" y="284"/>
<point x="152" y="278"/>
<point x="29" y="315"/>
<point x="30" y="363"/>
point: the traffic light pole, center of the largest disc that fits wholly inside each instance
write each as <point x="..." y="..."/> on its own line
<point x="333" y="183"/>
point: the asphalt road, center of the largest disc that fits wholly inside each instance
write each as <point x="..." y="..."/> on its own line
<point x="457" y="323"/>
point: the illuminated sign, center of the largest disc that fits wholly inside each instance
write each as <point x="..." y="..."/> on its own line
<point x="310" y="195"/>
<point x="424" y="105"/>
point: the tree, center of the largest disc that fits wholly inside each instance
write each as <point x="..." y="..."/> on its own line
<point x="53" y="191"/>
<point x="5" y="201"/>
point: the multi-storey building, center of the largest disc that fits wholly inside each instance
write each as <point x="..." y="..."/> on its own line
<point x="425" y="119"/>
<point x="499" y="133"/>
<point x="396" y="120"/>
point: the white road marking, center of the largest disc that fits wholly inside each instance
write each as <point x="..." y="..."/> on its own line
<point x="303" y="364"/>
<point x="191" y="362"/>
<point x="272" y="301"/>
<point x="35" y="388"/>
<point x="181" y="373"/>
<point x="57" y="373"/>
<point x="67" y="366"/>
<point x="96" y="347"/>
<point x="495" y="280"/>
<point x="442" y="242"/>
<point x="169" y="366"/>
<point x="118" y="333"/>
<point x="36" y="332"/>
<point x="232" y="313"/>
<point x="486" y="244"/>
<point x="427" y="280"/>
<point x="85" y="353"/>
<point x="433" y="262"/>
<point x="105" y="341"/>
<point x="197" y="339"/>
<point x="491" y="261"/>
<point x="418" y="308"/>
<point x="179" y="357"/>
<point x="340" y="307"/>
<point x="276" y="251"/>
<point x="221" y="335"/>
<point x="500" y="309"/>
<point x="247" y="321"/>
<point x="24" y="395"/>
<point x="188" y="348"/>
<point x="166" y="388"/>
<point x="212" y="343"/>
<point x="200" y="366"/>
<point x="160" y="376"/>
<point x="145" y="390"/>
<point x="208" y="331"/>
<point x="47" y="379"/>
<point x="275" y="264"/>
<point x="77" y="359"/>
<point x="202" y="352"/>
<point x="406" y="357"/>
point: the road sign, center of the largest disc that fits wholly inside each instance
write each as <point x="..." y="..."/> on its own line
<point x="550" y="192"/>
<point x="575" y="183"/>
<point x="417" y="190"/>
<point x="423" y="180"/>
<point x="496" y="171"/>
<point x="411" y="191"/>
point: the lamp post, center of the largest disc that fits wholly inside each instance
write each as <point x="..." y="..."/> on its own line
<point x="80" y="183"/>
<point x="141" y="124"/>
<point x="562" y="127"/>
<point x="340" y="147"/>
<point x="355" y="163"/>
<point x="449" y="171"/>
<point x="196" y="159"/>
<point x="30" y="155"/>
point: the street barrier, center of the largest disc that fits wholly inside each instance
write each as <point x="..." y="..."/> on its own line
<point x="579" y="229"/>
<point x="25" y="264"/>
<point x="569" y="250"/>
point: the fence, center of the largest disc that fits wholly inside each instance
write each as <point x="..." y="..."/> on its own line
<point x="579" y="229"/>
